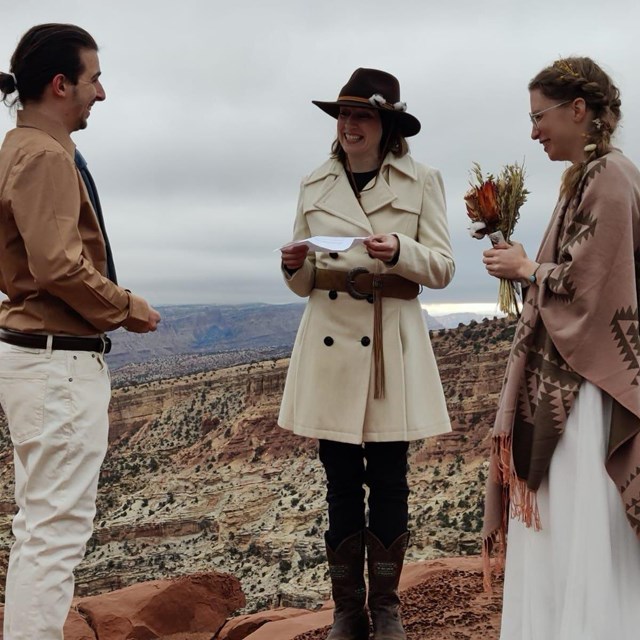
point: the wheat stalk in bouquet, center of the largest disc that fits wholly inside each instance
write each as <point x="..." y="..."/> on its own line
<point x="493" y="204"/>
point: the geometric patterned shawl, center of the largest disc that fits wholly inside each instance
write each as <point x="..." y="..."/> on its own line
<point x="579" y="323"/>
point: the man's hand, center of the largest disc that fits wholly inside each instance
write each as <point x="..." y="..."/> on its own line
<point x="154" y="320"/>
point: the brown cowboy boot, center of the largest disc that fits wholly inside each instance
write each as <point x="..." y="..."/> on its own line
<point x="346" y="568"/>
<point x="385" y="567"/>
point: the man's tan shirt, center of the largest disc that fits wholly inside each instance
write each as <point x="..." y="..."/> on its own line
<point x="52" y="254"/>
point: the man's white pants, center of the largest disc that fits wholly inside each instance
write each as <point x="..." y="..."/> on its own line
<point x="56" y="403"/>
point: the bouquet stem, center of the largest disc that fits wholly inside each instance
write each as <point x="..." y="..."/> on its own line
<point x="508" y="298"/>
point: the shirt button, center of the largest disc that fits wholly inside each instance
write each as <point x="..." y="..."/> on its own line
<point x="328" y="341"/>
<point x="366" y="341"/>
<point x="333" y="255"/>
<point x="333" y="294"/>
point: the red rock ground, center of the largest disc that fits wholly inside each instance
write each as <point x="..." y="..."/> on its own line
<point x="448" y="605"/>
<point x="191" y="607"/>
<point x="441" y="600"/>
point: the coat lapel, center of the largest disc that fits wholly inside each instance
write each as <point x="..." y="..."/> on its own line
<point x="340" y="201"/>
<point x="395" y="185"/>
<point x="376" y="197"/>
<point x="397" y="176"/>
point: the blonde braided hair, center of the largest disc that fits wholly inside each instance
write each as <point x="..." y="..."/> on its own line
<point x="580" y="77"/>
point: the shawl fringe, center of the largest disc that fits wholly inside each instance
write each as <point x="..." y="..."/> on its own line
<point x="493" y="544"/>
<point x="524" y="503"/>
<point x="517" y="501"/>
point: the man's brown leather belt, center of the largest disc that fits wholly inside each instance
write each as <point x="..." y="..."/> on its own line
<point x="63" y="343"/>
<point x="360" y="284"/>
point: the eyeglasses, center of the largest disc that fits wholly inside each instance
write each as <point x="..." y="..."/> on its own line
<point x="536" y="116"/>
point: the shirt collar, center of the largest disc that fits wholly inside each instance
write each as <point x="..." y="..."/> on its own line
<point x="37" y="120"/>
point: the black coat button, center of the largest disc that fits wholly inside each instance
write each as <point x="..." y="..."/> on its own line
<point x="333" y="294"/>
<point x="328" y="341"/>
<point x="333" y="255"/>
<point x="366" y="341"/>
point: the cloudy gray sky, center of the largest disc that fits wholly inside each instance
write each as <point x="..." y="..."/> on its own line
<point x="208" y="125"/>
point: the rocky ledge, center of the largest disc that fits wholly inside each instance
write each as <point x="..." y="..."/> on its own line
<point x="441" y="600"/>
<point x="191" y="607"/>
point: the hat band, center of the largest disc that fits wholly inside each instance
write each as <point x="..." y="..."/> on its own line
<point x="386" y="105"/>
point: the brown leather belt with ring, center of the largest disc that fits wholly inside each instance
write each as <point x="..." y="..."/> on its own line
<point x="361" y="284"/>
<point x="101" y="344"/>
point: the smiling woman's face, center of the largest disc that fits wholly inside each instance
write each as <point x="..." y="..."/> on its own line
<point x="359" y="133"/>
<point x="559" y="127"/>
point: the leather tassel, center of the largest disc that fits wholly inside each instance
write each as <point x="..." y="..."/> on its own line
<point x="378" y="351"/>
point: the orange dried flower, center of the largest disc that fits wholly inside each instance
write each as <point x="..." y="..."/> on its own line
<point x="482" y="203"/>
<point x="487" y="195"/>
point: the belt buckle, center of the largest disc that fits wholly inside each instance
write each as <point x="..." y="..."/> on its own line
<point x="351" y="283"/>
<point x="106" y="344"/>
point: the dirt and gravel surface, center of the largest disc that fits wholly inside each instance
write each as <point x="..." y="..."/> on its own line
<point x="449" y="605"/>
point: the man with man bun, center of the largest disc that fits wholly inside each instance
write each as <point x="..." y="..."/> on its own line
<point x="58" y="276"/>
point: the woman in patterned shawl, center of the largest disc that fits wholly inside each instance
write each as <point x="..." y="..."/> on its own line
<point x="565" y="463"/>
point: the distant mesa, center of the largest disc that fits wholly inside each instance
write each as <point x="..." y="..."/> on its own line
<point x="267" y="329"/>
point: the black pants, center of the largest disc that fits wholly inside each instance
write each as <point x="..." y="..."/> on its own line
<point x="382" y="466"/>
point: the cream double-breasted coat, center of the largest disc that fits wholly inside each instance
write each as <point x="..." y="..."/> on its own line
<point x="329" y="388"/>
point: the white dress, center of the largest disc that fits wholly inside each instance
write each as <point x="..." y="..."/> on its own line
<point x="579" y="577"/>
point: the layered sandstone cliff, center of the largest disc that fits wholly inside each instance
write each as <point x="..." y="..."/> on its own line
<point x="199" y="478"/>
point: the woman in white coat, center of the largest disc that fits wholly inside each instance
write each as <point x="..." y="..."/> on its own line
<point x="363" y="378"/>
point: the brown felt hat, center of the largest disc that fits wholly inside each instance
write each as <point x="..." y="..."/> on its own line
<point x="374" y="89"/>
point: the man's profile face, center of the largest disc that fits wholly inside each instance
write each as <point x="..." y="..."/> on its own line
<point x="88" y="90"/>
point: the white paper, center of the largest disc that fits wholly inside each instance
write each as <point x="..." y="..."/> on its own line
<point x="332" y="244"/>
